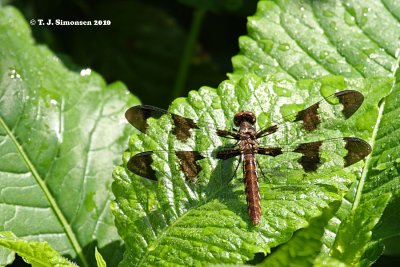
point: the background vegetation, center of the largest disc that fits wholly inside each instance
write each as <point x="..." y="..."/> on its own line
<point x="145" y="53"/>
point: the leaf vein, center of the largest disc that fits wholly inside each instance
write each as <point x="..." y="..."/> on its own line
<point x="53" y="204"/>
<point x="390" y="11"/>
<point x="308" y="53"/>
<point x="375" y="42"/>
<point x="332" y="42"/>
<point x="86" y="163"/>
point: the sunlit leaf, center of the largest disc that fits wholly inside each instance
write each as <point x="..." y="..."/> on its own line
<point x="290" y="58"/>
<point x="60" y="135"/>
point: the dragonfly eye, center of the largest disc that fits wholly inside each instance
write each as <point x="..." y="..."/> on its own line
<point x="244" y="116"/>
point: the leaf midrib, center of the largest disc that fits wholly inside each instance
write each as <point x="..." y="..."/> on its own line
<point x="363" y="178"/>
<point x="364" y="174"/>
<point x="53" y="204"/>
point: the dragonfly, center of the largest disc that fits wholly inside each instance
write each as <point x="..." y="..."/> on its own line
<point x="247" y="142"/>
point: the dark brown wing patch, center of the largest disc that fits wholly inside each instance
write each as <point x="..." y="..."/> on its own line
<point x="188" y="163"/>
<point x="182" y="127"/>
<point x="267" y="131"/>
<point x="138" y="115"/>
<point x="270" y="151"/>
<point x="227" y="134"/>
<point x="310" y="117"/>
<point x="310" y="160"/>
<point x="228" y="153"/>
<point x="357" y="149"/>
<point x="140" y="164"/>
<point x="351" y="101"/>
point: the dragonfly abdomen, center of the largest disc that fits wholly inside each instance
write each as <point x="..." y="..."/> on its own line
<point x="251" y="188"/>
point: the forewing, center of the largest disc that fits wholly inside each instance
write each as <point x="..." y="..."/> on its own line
<point x="182" y="127"/>
<point x="341" y="104"/>
<point x="138" y="115"/>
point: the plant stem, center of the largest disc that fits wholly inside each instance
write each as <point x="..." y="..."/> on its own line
<point x="189" y="48"/>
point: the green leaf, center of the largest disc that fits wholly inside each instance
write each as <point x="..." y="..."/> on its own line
<point x="6" y="256"/>
<point x="350" y="245"/>
<point x="305" y="245"/>
<point x="35" y="253"/>
<point x="353" y="234"/>
<point x="377" y="189"/>
<point x="291" y="57"/>
<point x="60" y="134"/>
<point x="170" y="220"/>
<point x="99" y="259"/>
<point x="299" y="40"/>
<point x="384" y="172"/>
<point x="351" y="241"/>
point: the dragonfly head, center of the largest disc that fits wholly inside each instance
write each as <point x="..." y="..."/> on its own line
<point x="244" y="116"/>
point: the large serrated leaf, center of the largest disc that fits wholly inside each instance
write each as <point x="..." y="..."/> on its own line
<point x="171" y="222"/>
<point x="60" y="134"/>
<point x="175" y="219"/>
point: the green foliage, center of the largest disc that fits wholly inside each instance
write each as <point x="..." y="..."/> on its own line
<point x="60" y="136"/>
<point x="291" y="57"/>
<point x="35" y="253"/>
<point x="99" y="259"/>
<point x="174" y="219"/>
<point x="144" y="53"/>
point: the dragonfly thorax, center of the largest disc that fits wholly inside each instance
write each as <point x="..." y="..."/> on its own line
<point x="247" y="131"/>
